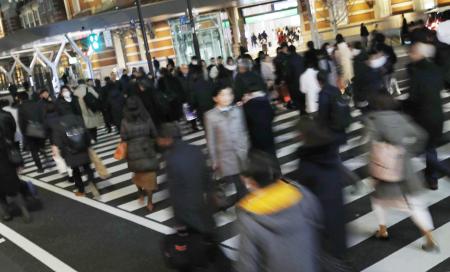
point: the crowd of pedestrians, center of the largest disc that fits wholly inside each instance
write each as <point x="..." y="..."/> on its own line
<point x="285" y="225"/>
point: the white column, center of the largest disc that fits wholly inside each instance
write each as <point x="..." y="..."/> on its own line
<point x="141" y="44"/>
<point x="55" y="79"/>
<point x="118" y="48"/>
<point x="421" y="5"/>
<point x="233" y="17"/>
<point x="87" y="61"/>
<point x="382" y="8"/>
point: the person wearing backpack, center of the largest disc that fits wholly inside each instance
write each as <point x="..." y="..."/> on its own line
<point x="90" y="108"/>
<point x="139" y="132"/>
<point x="397" y="184"/>
<point x="32" y="125"/>
<point x="72" y="140"/>
<point x="334" y="108"/>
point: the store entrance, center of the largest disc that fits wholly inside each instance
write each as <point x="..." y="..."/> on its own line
<point x="209" y="35"/>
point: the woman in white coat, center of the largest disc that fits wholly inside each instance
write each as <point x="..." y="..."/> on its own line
<point x="344" y="59"/>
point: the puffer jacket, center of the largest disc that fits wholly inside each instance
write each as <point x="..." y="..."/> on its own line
<point x="140" y="138"/>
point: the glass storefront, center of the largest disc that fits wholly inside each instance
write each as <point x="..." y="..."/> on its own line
<point x="268" y="25"/>
<point x="210" y="34"/>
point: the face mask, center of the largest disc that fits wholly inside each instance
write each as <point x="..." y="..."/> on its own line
<point x="378" y="62"/>
<point x="67" y="96"/>
<point x="330" y="50"/>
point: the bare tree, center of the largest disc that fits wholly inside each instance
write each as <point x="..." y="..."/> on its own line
<point x="338" y="12"/>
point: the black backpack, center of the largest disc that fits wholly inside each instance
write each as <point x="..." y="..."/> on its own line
<point x="341" y="117"/>
<point x="92" y="102"/>
<point x="77" y="140"/>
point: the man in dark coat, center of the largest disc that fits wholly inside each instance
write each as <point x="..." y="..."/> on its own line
<point x="201" y="91"/>
<point x="74" y="157"/>
<point x="113" y="103"/>
<point x="10" y="183"/>
<point x="364" y="33"/>
<point x="425" y="105"/>
<point x="189" y="180"/>
<point x="320" y="171"/>
<point x="310" y="55"/>
<point x="32" y="112"/>
<point x="296" y="68"/>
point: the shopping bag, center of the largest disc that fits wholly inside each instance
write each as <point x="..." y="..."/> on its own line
<point x="61" y="165"/>
<point x="121" y="151"/>
<point x="387" y="162"/>
<point x="98" y="164"/>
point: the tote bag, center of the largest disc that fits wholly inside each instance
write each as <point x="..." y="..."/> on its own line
<point x="387" y="162"/>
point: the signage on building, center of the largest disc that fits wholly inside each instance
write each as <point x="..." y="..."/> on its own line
<point x="184" y="20"/>
<point x="108" y="38"/>
<point x="73" y="60"/>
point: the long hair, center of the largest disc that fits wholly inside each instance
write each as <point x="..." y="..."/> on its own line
<point x="134" y="110"/>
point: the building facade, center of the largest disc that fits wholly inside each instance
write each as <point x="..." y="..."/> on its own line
<point x="220" y="30"/>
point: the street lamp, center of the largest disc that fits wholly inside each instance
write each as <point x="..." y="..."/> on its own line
<point x="144" y="36"/>
<point x="194" y="32"/>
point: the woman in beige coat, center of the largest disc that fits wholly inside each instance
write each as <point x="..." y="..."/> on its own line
<point x="92" y="120"/>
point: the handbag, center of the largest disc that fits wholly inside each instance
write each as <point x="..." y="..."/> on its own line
<point x="14" y="156"/>
<point x="387" y="162"/>
<point x="98" y="164"/>
<point x="35" y="130"/>
<point x="121" y="151"/>
<point x="184" y="250"/>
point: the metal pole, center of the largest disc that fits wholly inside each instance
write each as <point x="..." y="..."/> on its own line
<point x="194" y="32"/>
<point x="144" y="36"/>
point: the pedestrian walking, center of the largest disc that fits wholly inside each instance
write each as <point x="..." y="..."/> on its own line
<point x="397" y="185"/>
<point x="9" y="182"/>
<point x="67" y="103"/>
<point x="91" y="114"/>
<point x="227" y="138"/>
<point x="32" y="125"/>
<point x="320" y="170"/>
<point x="277" y="221"/>
<point x="139" y="134"/>
<point x="71" y="141"/>
<point x="344" y="59"/>
<point x="114" y="103"/>
<point x="189" y="180"/>
<point x="424" y="104"/>
<point x="327" y="63"/>
<point x="250" y="90"/>
<point x="364" y="33"/>
<point x="310" y="87"/>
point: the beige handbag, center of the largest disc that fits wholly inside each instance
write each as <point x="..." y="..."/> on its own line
<point x="98" y="164"/>
<point x="386" y="162"/>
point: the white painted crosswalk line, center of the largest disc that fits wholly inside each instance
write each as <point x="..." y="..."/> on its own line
<point x="162" y="215"/>
<point x="412" y="258"/>
<point x="364" y="227"/>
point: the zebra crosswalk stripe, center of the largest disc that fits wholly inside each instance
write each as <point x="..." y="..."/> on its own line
<point x="120" y="193"/>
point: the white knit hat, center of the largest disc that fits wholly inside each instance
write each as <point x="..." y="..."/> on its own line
<point x="443" y="32"/>
<point x="425" y="49"/>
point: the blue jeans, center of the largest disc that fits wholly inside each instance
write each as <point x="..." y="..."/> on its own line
<point x="433" y="166"/>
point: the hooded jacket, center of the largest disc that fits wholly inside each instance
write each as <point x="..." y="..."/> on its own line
<point x="278" y="227"/>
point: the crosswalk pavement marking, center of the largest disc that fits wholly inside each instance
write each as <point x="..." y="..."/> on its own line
<point x="412" y="258"/>
<point x="119" y="190"/>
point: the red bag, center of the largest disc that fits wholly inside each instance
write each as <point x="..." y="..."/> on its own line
<point x="121" y="151"/>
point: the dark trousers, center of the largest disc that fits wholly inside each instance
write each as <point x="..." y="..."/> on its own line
<point x="77" y="176"/>
<point x="93" y="133"/>
<point x="241" y="191"/>
<point x="433" y="166"/>
<point x="35" y="146"/>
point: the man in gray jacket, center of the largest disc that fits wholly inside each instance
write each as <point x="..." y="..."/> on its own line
<point x="278" y="222"/>
<point x="227" y="138"/>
